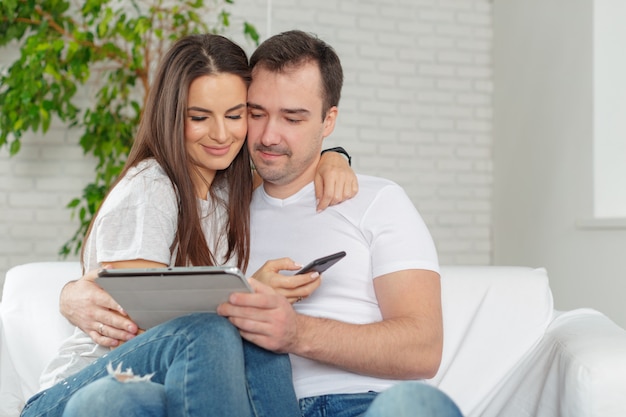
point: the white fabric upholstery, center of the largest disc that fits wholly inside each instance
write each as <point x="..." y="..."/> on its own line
<point x="492" y="317"/>
<point x="506" y="351"/>
<point x="32" y="327"/>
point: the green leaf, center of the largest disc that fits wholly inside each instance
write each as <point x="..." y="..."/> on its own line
<point x="74" y="203"/>
<point x="15" y="147"/>
<point x="251" y="33"/>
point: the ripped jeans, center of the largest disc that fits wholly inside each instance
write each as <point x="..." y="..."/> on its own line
<point x="201" y="367"/>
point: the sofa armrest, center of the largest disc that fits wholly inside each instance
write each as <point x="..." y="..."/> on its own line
<point x="578" y="369"/>
<point x="32" y="327"/>
<point x="492" y="317"/>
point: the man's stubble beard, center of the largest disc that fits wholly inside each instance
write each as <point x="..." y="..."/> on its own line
<point x="282" y="172"/>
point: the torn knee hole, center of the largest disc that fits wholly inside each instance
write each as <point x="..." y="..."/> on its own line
<point x="126" y="375"/>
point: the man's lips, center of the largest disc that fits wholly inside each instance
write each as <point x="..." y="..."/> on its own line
<point x="268" y="153"/>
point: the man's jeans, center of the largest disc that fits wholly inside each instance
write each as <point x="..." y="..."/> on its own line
<point x="406" y="399"/>
<point x="201" y="367"/>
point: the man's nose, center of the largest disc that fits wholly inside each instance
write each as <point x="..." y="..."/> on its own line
<point x="270" y="135"/>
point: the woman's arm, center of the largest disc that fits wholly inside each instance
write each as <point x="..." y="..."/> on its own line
<point x="335" y="181"/>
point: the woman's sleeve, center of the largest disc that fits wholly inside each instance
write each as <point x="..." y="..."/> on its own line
<point x="138" y="220"/>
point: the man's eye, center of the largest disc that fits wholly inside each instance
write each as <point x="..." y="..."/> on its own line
<point x="293" y="121"/>
<point x="256" y="115"/>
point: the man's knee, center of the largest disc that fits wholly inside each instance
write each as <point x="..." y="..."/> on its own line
<point x="415" y="399"/>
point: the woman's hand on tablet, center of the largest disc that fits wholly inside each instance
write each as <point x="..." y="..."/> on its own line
<point x="95" y="312"/>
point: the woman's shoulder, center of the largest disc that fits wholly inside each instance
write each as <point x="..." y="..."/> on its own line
<point x="146" y="181"/>
<point x="147" y="173"/>
<point x="148" y="168"/>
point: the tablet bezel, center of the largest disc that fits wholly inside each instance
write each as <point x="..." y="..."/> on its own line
<point x="152" y="296"/>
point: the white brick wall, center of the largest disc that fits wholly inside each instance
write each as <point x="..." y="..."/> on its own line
<point x="416" y="108"/>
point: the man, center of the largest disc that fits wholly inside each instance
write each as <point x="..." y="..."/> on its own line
<point x="376" y="318"/>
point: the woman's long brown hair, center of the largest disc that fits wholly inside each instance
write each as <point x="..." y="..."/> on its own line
<point x="161" y="136"/>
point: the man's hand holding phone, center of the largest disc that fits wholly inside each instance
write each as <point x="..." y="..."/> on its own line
<point x="294" y="288"/>
<point x="299" y="286"/>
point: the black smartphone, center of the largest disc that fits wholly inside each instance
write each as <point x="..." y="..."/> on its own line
<point x="322" y="264"/>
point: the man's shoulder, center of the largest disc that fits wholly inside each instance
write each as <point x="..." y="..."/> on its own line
<point x="371" y="186"/>
<point x="373" y="181"/>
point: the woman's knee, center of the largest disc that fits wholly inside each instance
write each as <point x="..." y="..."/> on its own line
<point x="209" y="329"/>
<point x="199" y="324"/>
<point x="108" y="397"/>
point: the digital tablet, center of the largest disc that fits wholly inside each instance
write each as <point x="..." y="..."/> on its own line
<point x="153" y="295"/>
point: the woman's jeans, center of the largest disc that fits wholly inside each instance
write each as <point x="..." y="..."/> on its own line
<point x="201" y="367"/>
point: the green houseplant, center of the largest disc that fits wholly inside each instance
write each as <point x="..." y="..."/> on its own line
<point x="108" y="45"/>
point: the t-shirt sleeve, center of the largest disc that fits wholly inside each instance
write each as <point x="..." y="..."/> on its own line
<point x="399" y="237"/>
<point x="138" y="220"/>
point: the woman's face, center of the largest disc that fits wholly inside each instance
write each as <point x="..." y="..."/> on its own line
<point x="216" y="124"/>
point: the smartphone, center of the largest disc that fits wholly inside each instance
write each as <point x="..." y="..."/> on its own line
<point x="322" y="264"/>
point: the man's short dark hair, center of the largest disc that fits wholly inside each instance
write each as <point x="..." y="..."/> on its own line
<point x="291" y="49"/>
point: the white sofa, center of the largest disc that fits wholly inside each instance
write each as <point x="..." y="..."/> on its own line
<point x="507" y="352"/>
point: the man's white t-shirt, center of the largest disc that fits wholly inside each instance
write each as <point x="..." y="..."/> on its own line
<point x="137" y="220"/>
<point x="381" y="232"/>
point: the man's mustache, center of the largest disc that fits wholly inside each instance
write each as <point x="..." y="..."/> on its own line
<point x="274" y="150"/>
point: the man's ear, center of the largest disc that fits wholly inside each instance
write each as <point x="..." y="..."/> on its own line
<point x="329" y="121"/>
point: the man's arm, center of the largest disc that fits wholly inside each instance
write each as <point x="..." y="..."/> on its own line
<point x="406" y="344"/>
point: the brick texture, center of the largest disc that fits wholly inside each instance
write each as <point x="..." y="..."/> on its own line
<point x="416" y="108"/>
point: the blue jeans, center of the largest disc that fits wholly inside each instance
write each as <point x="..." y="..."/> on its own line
<point x="201" y="367"/>
<point x="406" y="399"/>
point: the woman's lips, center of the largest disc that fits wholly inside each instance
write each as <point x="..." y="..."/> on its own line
<point x="217" y="151"/>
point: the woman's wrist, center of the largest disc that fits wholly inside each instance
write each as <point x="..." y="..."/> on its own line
<point x="340" y="150"/>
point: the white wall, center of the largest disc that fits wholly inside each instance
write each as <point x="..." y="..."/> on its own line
<point x="543" y="159"/>
<point x="416" y="108"/>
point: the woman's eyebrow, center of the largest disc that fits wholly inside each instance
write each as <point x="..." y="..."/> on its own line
<point x="237" y="107"/>
<point x="203" y="110"/>
<point x="200" y="109"/>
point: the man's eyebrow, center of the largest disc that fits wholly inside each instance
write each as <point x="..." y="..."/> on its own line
<point x="301" y="111"/>
<point x="255" y="106"/>
<point x="203" y="110"/>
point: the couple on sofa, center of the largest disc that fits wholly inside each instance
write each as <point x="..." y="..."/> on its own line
<point x="185" y="197"/>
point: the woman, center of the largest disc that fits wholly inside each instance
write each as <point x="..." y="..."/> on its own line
<point x="182" y="199"/>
